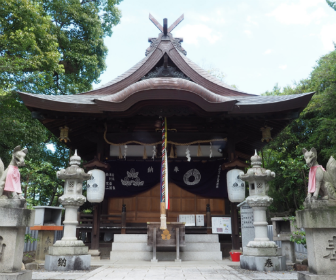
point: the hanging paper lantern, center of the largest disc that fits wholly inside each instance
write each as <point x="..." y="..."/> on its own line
<point x="96" y="186"/>
<point x="64" y="134"/>
<point x="235" y="186"/>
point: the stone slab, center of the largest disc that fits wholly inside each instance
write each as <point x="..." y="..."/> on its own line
<point x="316" y="218"/>
<point x="263" y="263"/>
<point x="166" y="256"/>
<point x="22" y="275"/>
<point x="16" y="217"/>
<point x="32" y="266"/>
<point x="303" y="275"/>
<point x="45" y="240"/>
<point x="66" y="263"/>
<point x="12" y="252"/>
<point x="61" y="250"/>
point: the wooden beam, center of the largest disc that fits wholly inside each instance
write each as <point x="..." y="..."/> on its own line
<point x="175" y="23"/>
<point x="156" y="23"/>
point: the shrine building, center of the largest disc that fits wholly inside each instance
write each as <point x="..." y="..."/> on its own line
<point x="211" y="128"/>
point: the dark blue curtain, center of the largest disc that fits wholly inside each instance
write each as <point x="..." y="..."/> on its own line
<point x="129" y="178"/>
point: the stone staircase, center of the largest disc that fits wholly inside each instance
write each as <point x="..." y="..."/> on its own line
<point x="199" y="247"/>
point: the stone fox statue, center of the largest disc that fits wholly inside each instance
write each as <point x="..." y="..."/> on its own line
<point x="320" y="181"/>
<point x="10" y="178"/>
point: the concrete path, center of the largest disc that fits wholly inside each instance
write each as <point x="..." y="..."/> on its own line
<point x="138" y="270"/>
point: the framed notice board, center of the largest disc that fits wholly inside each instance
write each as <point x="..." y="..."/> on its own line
<point x="221" y="225"/>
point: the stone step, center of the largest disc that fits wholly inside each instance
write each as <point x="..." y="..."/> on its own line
<point x="165" y="256"/>
<point x="130" y="238"/>
<point x="189" y="238"/>
<point x="189" y="247"/>
<point x="196" y="238"/>
<point x="133" y="246"/>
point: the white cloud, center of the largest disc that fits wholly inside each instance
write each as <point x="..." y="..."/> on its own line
<point x="328" y="36"/>
<point x="268" y="51"/>
<point x="251" y="21"/>
<point x="248" y="33"/>
<point x="303" y="12"/>
<point x="283" y="67"/>
<point x="192" y="33"/>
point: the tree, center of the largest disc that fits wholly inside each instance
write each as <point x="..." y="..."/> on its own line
<point x="316" y="127"/>
<point x="49" y="47"/>
<point x="54" y="47"/>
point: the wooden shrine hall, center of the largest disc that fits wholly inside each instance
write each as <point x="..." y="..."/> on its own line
<point x="211" y="128"/>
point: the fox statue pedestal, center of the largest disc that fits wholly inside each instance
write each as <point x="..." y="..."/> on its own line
<point x="14" y="218"/>
<point x="318" y="219"/>
<point x="12" y="232"/>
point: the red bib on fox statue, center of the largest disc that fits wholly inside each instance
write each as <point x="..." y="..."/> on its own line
<point x="13" y="183"/>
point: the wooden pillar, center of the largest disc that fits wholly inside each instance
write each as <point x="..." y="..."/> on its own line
<point x="208" y="219"/>
<point x="231" y="149"/>
<point x="95" y="227"/>
<point x="123" y="219"/>
<point x="234" y="227"/>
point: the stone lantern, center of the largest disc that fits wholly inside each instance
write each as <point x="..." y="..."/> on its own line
<point x="70" y="253"/>
<point x="260" y="254"/>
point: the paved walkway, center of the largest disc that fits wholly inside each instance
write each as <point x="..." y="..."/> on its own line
<point x="138" y="270"/>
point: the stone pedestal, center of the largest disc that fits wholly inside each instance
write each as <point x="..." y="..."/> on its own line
<point x="318" y="219"/>
<point x="45" y="239"/>
<point x="95" y="255"/>
<point x="12" y="231"/>
<point x="282" y="231"/>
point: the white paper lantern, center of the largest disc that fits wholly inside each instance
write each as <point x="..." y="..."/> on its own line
<point x="96" y="186"/>
<point x="235" y="186"/>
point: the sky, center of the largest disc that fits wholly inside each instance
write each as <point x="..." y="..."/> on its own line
<point x="255" y="44"/>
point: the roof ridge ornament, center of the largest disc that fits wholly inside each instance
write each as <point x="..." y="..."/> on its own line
<point x="164" y="29"/>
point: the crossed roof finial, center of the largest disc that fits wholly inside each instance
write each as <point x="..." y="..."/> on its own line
<point x="164" y="29"/>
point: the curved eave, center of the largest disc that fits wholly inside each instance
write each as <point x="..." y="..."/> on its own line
<point x="268" y="104"/>
<point x="165" y="89"/>
<point x="159" y="90"/>
<point x="60" y="103"/>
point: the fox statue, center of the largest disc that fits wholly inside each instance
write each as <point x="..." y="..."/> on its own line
<point x="321" y="181"/>
<point x="10" y="178"/>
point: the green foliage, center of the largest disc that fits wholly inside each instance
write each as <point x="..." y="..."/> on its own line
<point x="316" y="127"/>
<point x="298" y="236"/>
<point x="54" y="47"/>
<point x="29" y="238"/>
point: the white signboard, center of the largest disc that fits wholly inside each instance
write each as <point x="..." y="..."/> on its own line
<point x="221" y="225"/>
<point x="200" y="220"/>
<point x="189" y="220"/>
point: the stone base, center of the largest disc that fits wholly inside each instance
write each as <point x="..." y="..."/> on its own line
<point x="95" y="255"/>
<point x="302" y="275"/>
<point x="262" y="251"/>
<point x="276" y="263"/>
<point x="22" y="275"/>
<point x="66" y="263"/>
<point x="60" y="251"/>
